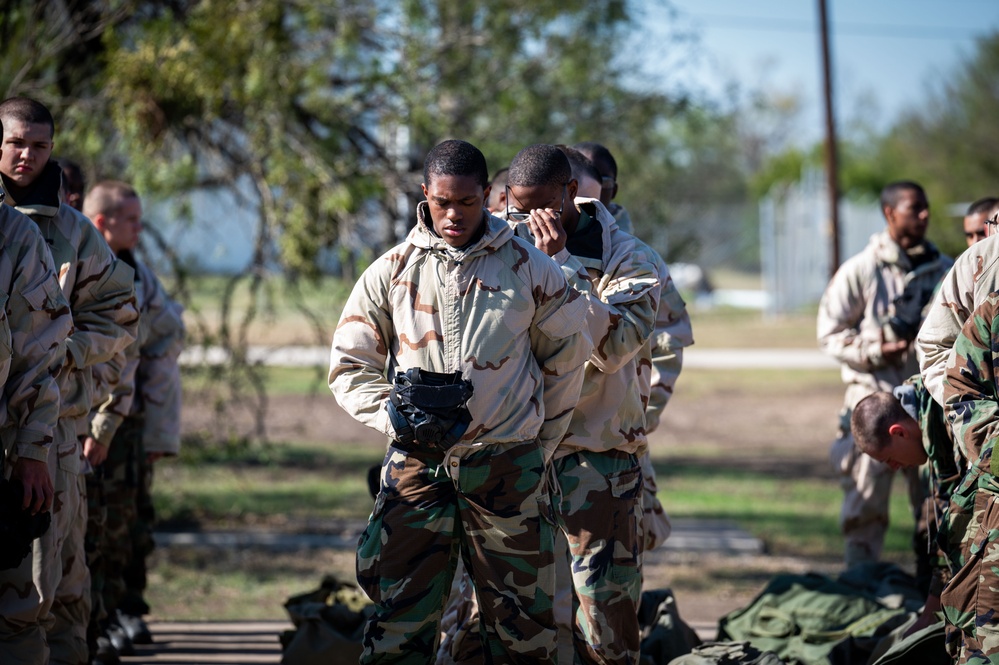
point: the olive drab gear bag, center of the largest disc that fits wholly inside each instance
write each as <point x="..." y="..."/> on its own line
<point x="727" y="653"/>
<point x="665" y="635"/>
<point x="329" y="625"/>
<point x="811" y="619"/>
<point x="924" y="647"/>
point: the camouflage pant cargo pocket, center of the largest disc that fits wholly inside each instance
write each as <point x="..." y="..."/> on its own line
<point x="483" y="503"/>
<point x="600" y="513"/>
<point x="971" y="598"/>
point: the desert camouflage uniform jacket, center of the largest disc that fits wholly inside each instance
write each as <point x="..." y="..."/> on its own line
<point x="98" y="287"/>
<point x="36" y="322"/>
<point x="150" y="381"/>
<point x="619" y="277"/>
<point x="974" y="276"/>
<point x="672" y="334"/>
<point x="857" y="305"/>
<point x="499" y="311"/>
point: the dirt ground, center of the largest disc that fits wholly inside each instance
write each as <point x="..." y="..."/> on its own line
<point x="787" y="432"/>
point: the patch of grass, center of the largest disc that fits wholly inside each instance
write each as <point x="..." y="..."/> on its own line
<point x="778" y="383"/>
<point x="277" y="380"/>
<point x="276" y="485"/>
<point x="793" y="514"/>
<point x="236" y="585"/>
<point x="288" y="311"/>
<point x="727" y="327"/>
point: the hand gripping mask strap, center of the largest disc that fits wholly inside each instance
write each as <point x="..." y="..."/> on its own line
<point x="428" y="408"/>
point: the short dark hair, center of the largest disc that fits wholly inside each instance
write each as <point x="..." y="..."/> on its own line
<point x="540" y="164"/>
<point x="580" y="163"/>
<point x="26" y="110"/>
<point x="499" y="178"/>
<point x="986" y="205"/>
<point x="68" y="166"/>
<point x="892" y="192"/>
<point x="601" y="157"/>
<point x="871" y="418"/>
<point x="456" y="157"/>
<point x="106" y="197"/>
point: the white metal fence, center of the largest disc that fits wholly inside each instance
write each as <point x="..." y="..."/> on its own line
<point x="795" y="252"/>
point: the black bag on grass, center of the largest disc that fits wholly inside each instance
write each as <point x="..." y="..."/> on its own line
<point x="329" y="625"/>
<point x="665" y="635"/>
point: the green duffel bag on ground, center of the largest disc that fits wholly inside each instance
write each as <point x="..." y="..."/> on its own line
<point x="329" y="624"/>
<point x="812" y="620"/>
<point x="727" y="653"/>
<point x="924" y="647"/>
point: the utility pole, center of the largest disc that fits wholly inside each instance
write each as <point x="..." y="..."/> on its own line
<point x="832" y="167"/>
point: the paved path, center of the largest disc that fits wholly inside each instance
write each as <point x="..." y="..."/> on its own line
<point x="693" y="358"/>
<point x="237" y="642"/>
<point x="688" y="536"/>
<point x="229" y="643"/>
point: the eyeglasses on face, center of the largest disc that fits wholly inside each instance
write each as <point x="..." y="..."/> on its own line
<point x="519" y="216"/>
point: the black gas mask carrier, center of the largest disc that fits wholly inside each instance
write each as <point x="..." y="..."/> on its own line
<point x="427" y="409"/>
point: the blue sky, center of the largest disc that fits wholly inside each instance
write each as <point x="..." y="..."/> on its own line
<point x="886" y="53"/>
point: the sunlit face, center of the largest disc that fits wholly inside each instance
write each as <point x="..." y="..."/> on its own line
<point x="27" y="148"/>
<point x="456" y="207"/>
<point x="121" y="229"/>
<point x="975" y="228"/>
<point x="589" y="188"/>
<point x="909" y="219"/>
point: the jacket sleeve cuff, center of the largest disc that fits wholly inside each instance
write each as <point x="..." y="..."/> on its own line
<point x="562" y="256"/>
<point x="27" y="445"/>
<point x="161" y="443"/>
<point x="104" y="426"/>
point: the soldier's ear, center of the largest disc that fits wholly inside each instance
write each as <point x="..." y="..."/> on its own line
<point x="100" y="220"/>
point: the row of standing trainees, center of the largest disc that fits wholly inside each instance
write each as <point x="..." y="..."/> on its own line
<point x="912" y="330"/>
<point x="552" y="319"/>
<point x="78" y="310"/>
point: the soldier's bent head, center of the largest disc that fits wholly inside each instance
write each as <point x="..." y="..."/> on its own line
<point x="456" y="184"/>
<point x="883" y="429"/>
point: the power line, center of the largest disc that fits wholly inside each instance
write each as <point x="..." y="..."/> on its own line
<point x="840" y="29"/>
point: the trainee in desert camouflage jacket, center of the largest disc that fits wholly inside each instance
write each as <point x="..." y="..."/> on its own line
<point x="857" y="305"/>
<point x="499" y="311"/>
<point x="671" y="336"/>
<point x="974" y="276"/>
<point x="619" y="278"/>
<point x="150" y="381"/>
<point x="36" y="323"/>
<point x="98" y="287"/>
